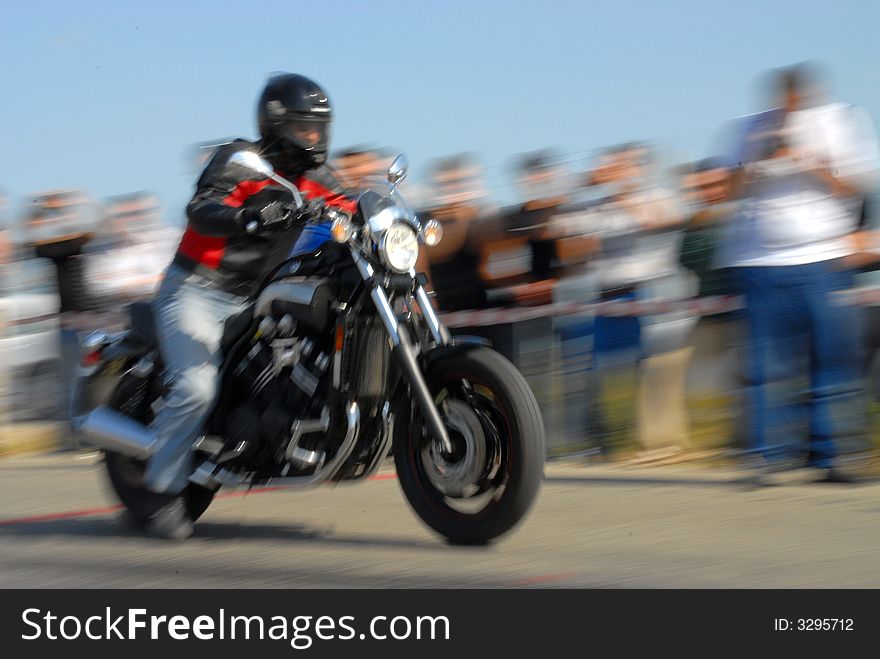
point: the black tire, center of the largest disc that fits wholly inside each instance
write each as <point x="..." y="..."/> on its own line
<point x="513" y="433"/>
<point x="126" y="477"/>
<point x="133" y="397"/>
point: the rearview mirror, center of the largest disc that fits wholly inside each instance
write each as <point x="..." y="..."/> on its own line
<point x="398" y="169"/>
<point x="256" y="164"/>
<point x="253" y="162"/>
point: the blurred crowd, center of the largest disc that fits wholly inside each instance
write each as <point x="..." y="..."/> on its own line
<point x="777" y="221"/>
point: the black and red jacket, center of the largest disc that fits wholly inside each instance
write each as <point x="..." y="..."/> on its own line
<point x="215" y="242"/>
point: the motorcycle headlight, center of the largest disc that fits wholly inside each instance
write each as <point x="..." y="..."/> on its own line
<point x="399" y="248"/>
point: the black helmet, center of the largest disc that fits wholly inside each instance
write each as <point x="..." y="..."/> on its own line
<point x="294" y="115"/>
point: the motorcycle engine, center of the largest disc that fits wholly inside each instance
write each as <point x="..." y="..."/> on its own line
<point x="279" y="380"/>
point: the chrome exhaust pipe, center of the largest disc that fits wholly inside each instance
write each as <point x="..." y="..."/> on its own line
<point x="328" y="471"/>
<point x="111" y="431"/>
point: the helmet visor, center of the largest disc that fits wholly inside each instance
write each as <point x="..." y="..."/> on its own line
<point x="308" y="134"/>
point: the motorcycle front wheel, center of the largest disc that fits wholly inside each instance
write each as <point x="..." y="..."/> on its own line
<point x="491" y="478"/>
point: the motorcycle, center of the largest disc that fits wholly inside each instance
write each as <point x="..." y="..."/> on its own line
<point x="339" y="361"/>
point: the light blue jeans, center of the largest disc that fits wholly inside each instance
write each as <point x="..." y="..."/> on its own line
<point x="190" y="313"/>
<point x="796" y="325"/>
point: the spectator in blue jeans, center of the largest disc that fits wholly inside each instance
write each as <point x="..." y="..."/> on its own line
<point x="636" y="223"/>
<point x="59" y="228"/>
<point x="801" y="167"/>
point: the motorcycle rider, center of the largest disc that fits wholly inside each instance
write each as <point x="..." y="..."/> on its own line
<point x="239" y="227"/>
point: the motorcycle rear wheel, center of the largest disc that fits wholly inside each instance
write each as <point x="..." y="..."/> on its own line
<point x="134" y="397"/>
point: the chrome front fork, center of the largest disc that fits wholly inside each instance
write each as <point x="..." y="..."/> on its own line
<point x="404" y="352"/>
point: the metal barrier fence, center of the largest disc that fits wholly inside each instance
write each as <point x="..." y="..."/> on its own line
<point x="552" y="346"/>
<point x="679" y="395"/>
<point x="642" y="401"/>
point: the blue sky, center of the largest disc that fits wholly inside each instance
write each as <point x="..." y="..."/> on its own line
<point x="111" y="96"/>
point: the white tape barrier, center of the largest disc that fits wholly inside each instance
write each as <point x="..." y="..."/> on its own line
<point x="701" y="306"/>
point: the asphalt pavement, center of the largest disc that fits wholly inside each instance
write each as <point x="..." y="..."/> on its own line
<point x="618" y="526"/>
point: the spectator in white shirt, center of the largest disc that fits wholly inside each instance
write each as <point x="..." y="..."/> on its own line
<point x="804" y="168"/>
